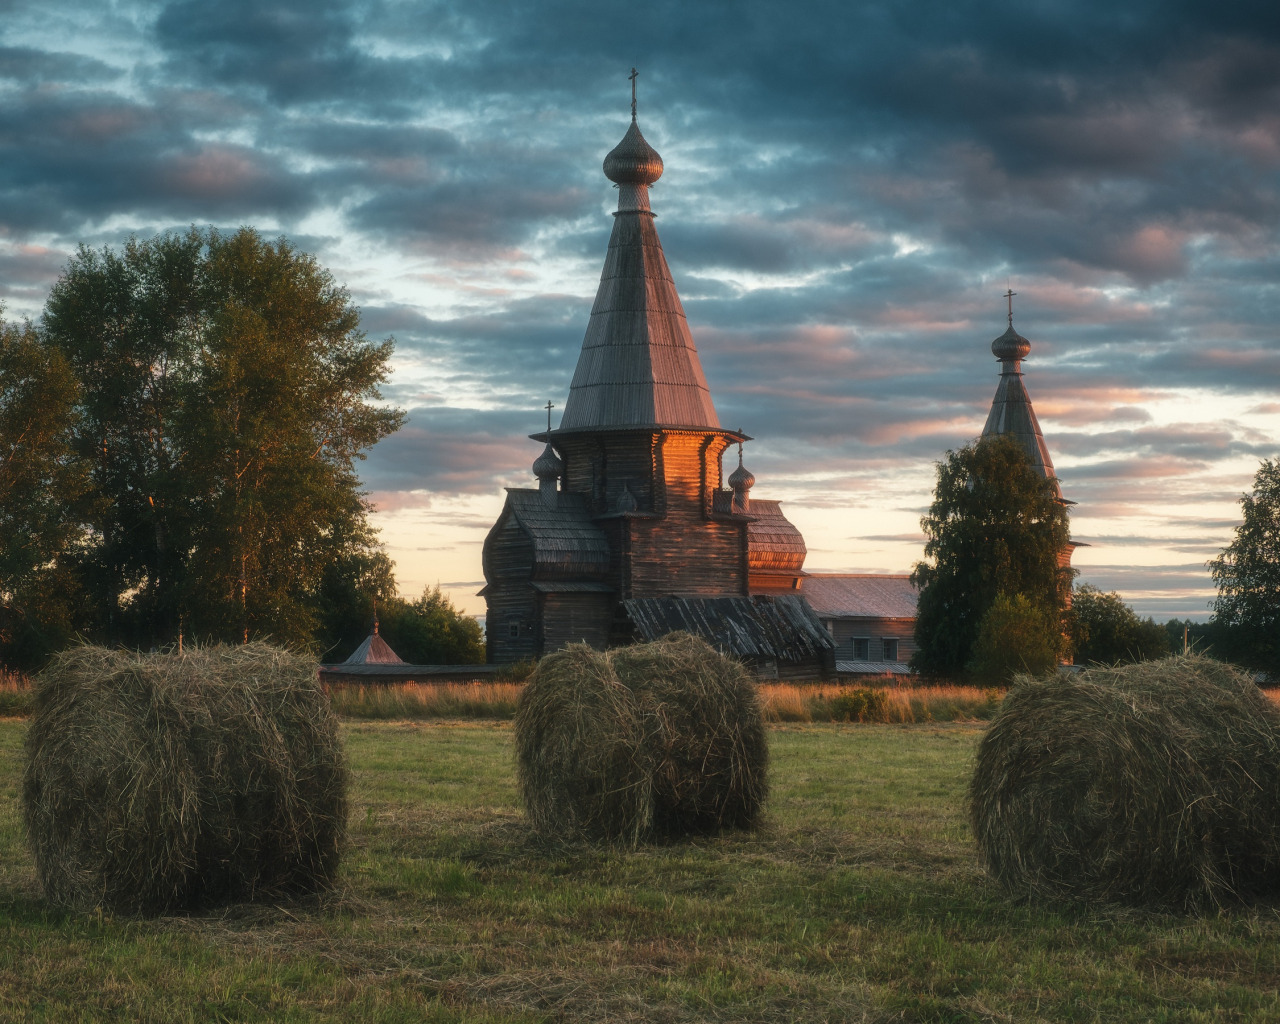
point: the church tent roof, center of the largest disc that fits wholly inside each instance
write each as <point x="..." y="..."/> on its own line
<point x="638" y="366"/>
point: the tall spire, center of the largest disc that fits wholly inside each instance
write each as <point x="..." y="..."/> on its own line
<point x="638" y="367"/>
<point x="1011" y="410"/>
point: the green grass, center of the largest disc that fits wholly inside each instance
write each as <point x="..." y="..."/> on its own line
<point x="858" y="900"/>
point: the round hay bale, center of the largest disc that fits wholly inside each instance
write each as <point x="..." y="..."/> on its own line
<point x="705" y="731"/>
<point x="582" y="766"/>
<point x="659" y="739"/>
<point x="1156" y="783"/>
<point x="169" y="781"/>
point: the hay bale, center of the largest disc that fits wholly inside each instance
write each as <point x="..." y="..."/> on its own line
<point x="1156" y="783"/>
<point x="705" y="732"/>
<point x="582" y="765"/>
<point x="653" y="740"/>
<point x="169" y="781"/>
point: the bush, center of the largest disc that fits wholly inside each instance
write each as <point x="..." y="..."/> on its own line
<point x="169" y="781"/>
<point x="1015" y="635"/>
<point x="1154" y="783"/>
<point x="860" y="705"/>
<point x="653" y="740"/>
<point x="1105" y="630"/>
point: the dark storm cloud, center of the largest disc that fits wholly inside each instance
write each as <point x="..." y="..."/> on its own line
<point x="848" y="190"/>
<point x="452" y="450"/>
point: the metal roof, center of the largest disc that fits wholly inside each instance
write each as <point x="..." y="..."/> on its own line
<point x="746" y="627"/>
<point x="638" y="366"/>
<point x="872" y="668"/>
<point x="860" y="595"/>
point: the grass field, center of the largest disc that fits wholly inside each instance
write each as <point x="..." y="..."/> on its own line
<point x="858" y="901"/>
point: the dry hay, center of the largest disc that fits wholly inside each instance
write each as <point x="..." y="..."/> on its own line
<point x="169" y="781"/>
<point x="654" y="740"/>
<point x="1155" y="784"/>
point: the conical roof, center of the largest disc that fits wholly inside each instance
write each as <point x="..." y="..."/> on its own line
<point x="1011" y="411"/>
<point x="374" y="651"/>
<point x="638" y="367"/>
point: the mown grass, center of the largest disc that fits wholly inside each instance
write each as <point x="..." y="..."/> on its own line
<point x="859" y="900"/>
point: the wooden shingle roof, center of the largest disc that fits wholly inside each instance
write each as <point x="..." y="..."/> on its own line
<point x="374" y="651"/>
<point x="782" y="628"/>
<point x="565" y="540"/>
<point x="638" y="366"/>
<point x="1011" y="410"/>
<point x="773" y="542"/>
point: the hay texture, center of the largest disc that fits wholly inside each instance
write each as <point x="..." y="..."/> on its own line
<point x="650" y="741"/>
<point x="1151" y="784"/>
<point x="171" y="781"/>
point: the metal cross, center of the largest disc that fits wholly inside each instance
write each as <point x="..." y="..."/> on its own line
<point x="633" y="76"/>
<point x="549" y="408"/>
<point x="1009" y="295"/>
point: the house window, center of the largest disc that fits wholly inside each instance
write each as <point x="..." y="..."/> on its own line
<point x="513" y="629"/>
<point x="890" y="646"/>
<point x="861" y="649"/>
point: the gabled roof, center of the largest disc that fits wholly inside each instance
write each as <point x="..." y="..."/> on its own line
<point x="374" y="651"/>
<point x="638" y="366"/>
<point x="564" y="537"/>
<point x="860" y="595"/>
<point x="782" y="628"/>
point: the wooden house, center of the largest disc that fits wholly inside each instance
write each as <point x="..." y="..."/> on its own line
<point x="871" y="617"/>
<point x="630" y="532"/>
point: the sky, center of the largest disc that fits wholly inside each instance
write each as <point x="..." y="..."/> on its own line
<point x="850" y="188"/>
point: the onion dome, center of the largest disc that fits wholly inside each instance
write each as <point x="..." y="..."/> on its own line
<point x="633" y="161"/>
<point x="1010" y="346"/>
<point x="626" y="500"/>
<point x="741" y="479"/>
<point x="548" y="466"/>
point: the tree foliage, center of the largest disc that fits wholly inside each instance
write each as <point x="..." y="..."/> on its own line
<point x="226" y="392"/>
<point x="995" y="527"/>
<point x="1247" y="574"/>
<point x="1015" y="635"/>
<point x="431" y="631"/>
<point x="1105" y="630"/>
<point x="43" y="489"/>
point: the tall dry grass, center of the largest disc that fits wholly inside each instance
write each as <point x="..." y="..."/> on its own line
<point x="832" y="702"/>
<point x="425" y="700"/>
<point x="15" y="694"/>
<point x="783" y="702"/>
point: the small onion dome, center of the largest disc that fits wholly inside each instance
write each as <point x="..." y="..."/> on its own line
<point x="1010" y="346"/>
<point x="741" y="479"/>
<point x="548" y="464"/>
<point x="633" y="161"/>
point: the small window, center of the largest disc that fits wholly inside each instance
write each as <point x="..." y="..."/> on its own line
<point x="861" y="649"/>
<point x="513" y="629"/>
<point x="890" y="645"/>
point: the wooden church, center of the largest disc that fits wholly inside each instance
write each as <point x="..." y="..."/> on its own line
<point x="630" y="532"/>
